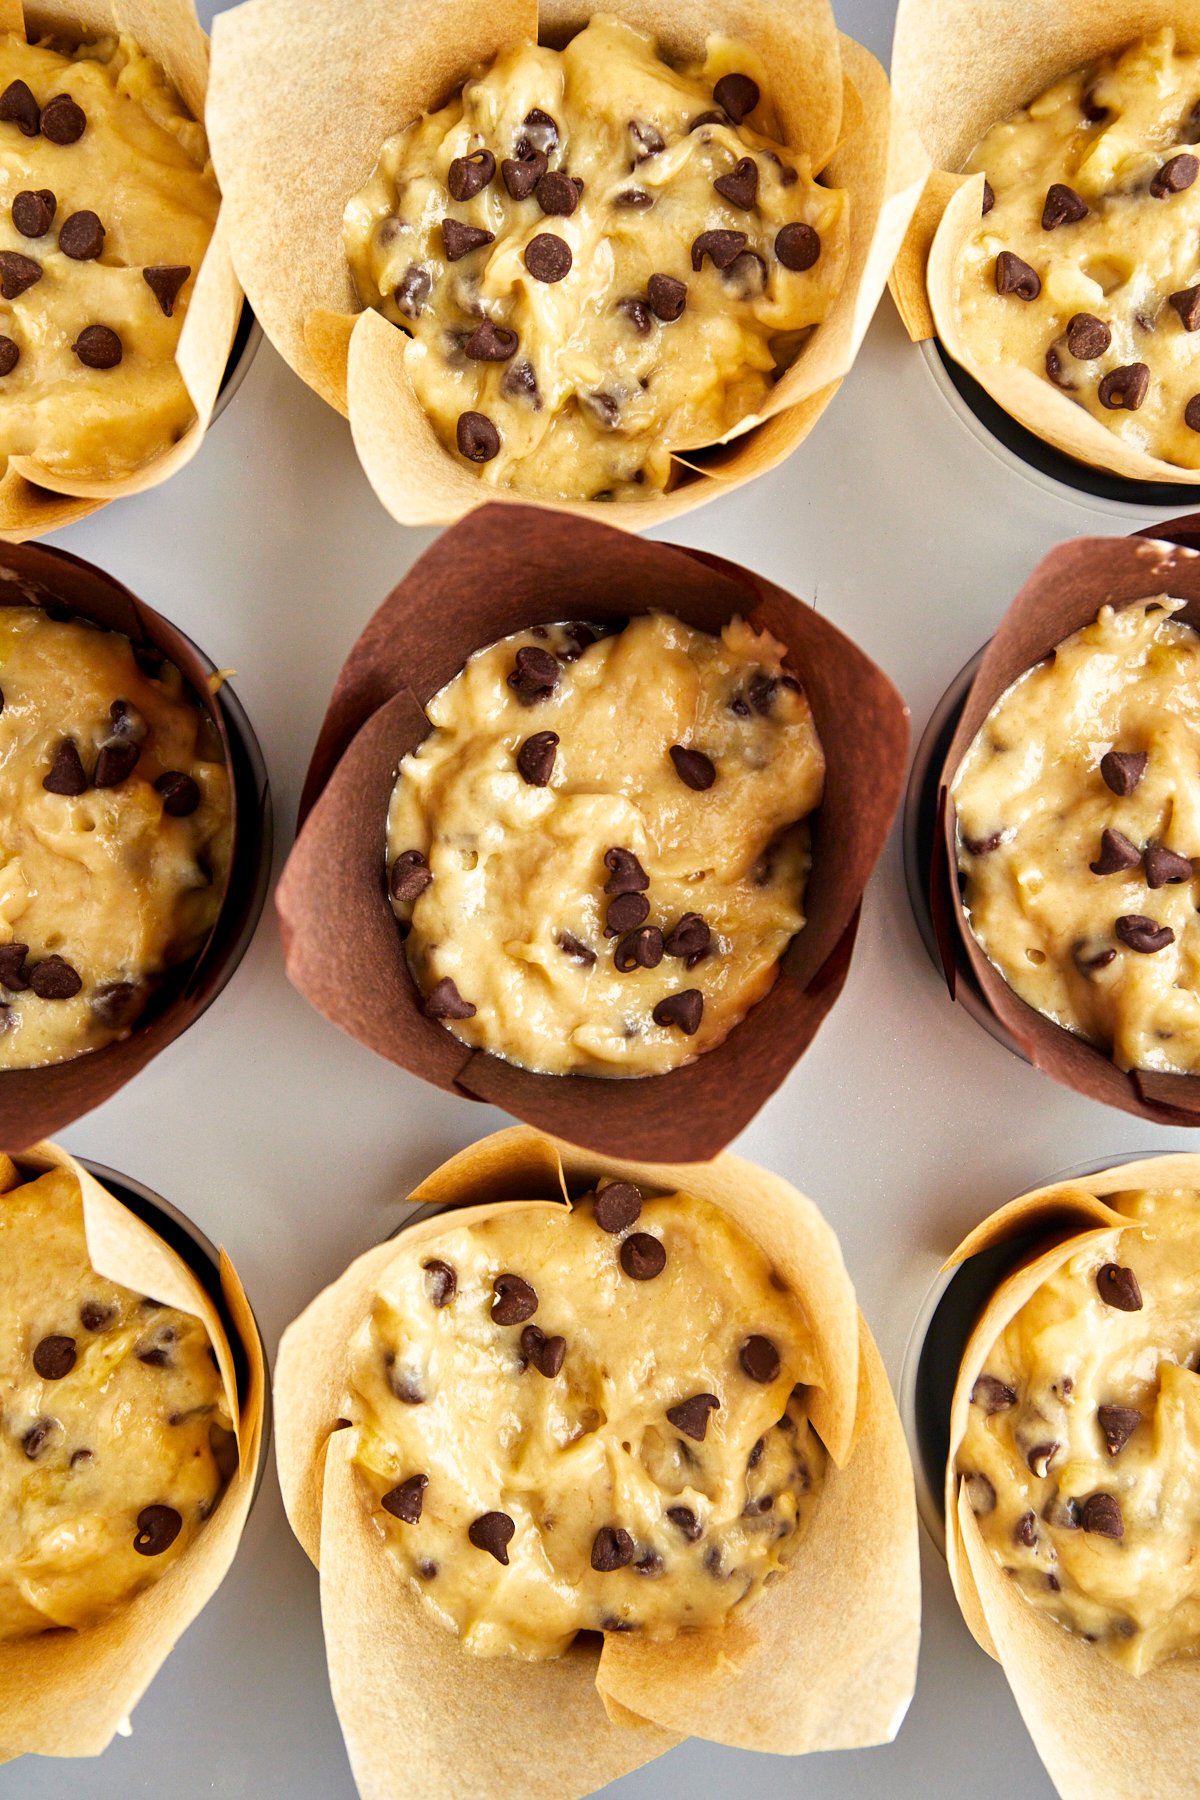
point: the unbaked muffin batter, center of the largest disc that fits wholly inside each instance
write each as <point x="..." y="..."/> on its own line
<point x="107" y="205"/>
<point x="586" y="1420"/>
<point x="597" y="847"/>
<point x="1078" y="818"/>
<point x="1082" y="1449"/>
<point x="599" y="259"/>
<point x="115" y="1437"/>
<point x="114" y="833"/>
<point x="1085" y="268"/>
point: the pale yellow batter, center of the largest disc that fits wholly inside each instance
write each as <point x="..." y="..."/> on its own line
<point x="1082" y="1449"/>
<point x="115" y="1439"/>
<point x="113" y="874"/>
<point x="1086" y="269"/>
<point x="106" y="211"/>
<point x="587" y="1420"/>
<point x="614" y="901"/>
<point x="1091" y="763"/>
<point x="592" y="373"/>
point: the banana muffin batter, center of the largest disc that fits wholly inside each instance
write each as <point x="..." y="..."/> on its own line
<point x="1082" y="1445"/>
<point x="115" y="1436"/>
<point x="1085" y="268"/>
<point x="596" y="849"/>
<point x="115" y="825"/>
<point x="599" y="259"/>
<point x="1078" y="817"/>
<point x="106" y="210"/>
<point x="587" y="1419"/>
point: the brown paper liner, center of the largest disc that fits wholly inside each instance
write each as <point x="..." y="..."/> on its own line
<point x="1064" y="593"/>
<point x="36" y="1102"/>
<point x="496" y="572"/>
<point x="349" y="77"/>
<point x="66" y="1693"/>
<point x="824" y="1659"/>
<point x="1102" y="1733"/>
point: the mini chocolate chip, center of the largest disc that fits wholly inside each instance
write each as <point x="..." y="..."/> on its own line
<point x="33" y="212"/>
<point x="98" y="347"/>
<point x="157" y="1529"/>
<point x="1118" y="1424"/>
<point x="427" y="1568"/>
<point x="491" y="343"/>
<point x="10" y="355"/>
<point x="17" y="273"/>
<point x="54" y="1357"/>
<point x="570" y="946"/>
<point x="54" y="979"/>
<point x="1013" y="276"/>
<point x="476" y="437"/>
<point x="115" y="764"/>
<point x="1163" y="866"/>
<point x="721" y="248"/>
<point x="737" y="95"/>
<point x="520" y="383"/>
<point x="410" y="876"/>
<point x="458" y="240"/>
<point x="95" y="1316"/>
<point x="1102" y="1513"/>
<point x="989" y="197"/>
<point x="627" y="875"/>
<point x="535" y="758"/>
<point x="547" y="257"/>
<point x="1041" y="1456"/>
<point x="617" y="1207"/>
<point x="1125" y="388"/>
<point x="689" y="937"/>
<point x="1087" y="337"/>
<point x="469" y="175"/>
<point x="165" y="280"/>
<point x="1063" y="207"/>
<point x="81" y="236"/>
<point x="521" y="174"/>
<point x="687" y="1522"/>
<point x="693" y="768"/>
<point x="535" y="674"/>
<point x="1025" y="1531"/>
<point x="691" y="1416"/>
<point x="625" y="913"/>
<point x="797" y="246"/>
<point x="1088" y="965"/>
<point x="13" y="974"/>
<point x="556" y="194"/>
<point x="1121" y="770"/>
<point x="406" y="1500"/>
<point x="180" y="794"/>
<point x="640" y="949"/>
<point x="34" y="1441"/>
<point x="79" y="1457"/>
<point x="1118" y="1287"/>
<point x="66" y="771"/>
<point x="441" y="1281"/>
<point x="514" y="1302"/>
<point x="1116" y="853"/>
<point x="642" y="1256"/>
<point x="637" y="199"/>
<point x="1176" y="174"/>
<point x="545" y="1354"/>
<point x="992" y="1394"/>
<point x="18" y="107"/>
<point x="116" y="1004"/>
<point x="1144" y="935"/>
<point x="1056" y="371"/>
<point x="63" y="122"/>
<point x="684" y="1010"/>
<point x="443" y="1001"/>
<point x="612" y="1549"/>
<point x="493" y="1532"/>
<point x="740" y="186"/>
<point x="760" y="1359"/>
<point x="667" y="297"/>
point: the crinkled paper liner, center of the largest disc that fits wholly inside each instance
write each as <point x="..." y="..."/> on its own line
<point x="66" y="1693"/>
<point x="824" y="1659"/>
<point x="497" y="571"/>
<point x="1102" y="1733"/>
<point x="347" y="74"/>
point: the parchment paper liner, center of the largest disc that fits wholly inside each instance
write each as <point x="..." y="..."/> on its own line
<point x="1102" y="1733"/>
<point x="825" y="1658"/>
<point x="36" y="1102"/>
<point x="499" y="570"/>
<point x="347" y="77"/>
<point x="35" y="499"/>
<point x="1064" y="593"/>
<point x="959" y="67"/>
<point x="67" y="1693"/>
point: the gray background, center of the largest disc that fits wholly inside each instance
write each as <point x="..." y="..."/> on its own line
<point x="294" y="1146"/>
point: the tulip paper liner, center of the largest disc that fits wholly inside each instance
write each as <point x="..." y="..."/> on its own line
<point x="67" y="1693"/>
<point x="1103" y="1734"/>
<point x="36" y="1102"/>
<point x="35" y="499"/>
<point x="959" y="67"/>
<point x="496" y="572"/>
<point x="825" y="1658"/>
<point x="348" y="76"/>
<point x="1064" y="593"/>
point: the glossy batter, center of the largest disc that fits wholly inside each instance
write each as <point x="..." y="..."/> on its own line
<point x="106" y="211"/>
<point x="586" y="1420"/>
<point x="1082" y="1450"/>
<point x="1085" y="269"/>
<point x="114" y="834"/>
<point x="597" y="847"/>
<point x="573" y="320"/>
<point x="1078" y="818"/>
<point x="115" y="1439"/>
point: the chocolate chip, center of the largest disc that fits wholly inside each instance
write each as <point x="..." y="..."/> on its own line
<point x="476" y="437"/>
<point x="627" y="875"/>
<point x="1056" y="371"/>
<point x="79" y="1457"/>
<point x="1087" y="337"/>
<point x="691" y="1416"/>
<point x="406" y="1500"/>
<point x="66" y="771"/>
<point x="535" y="674"/>
<point x="522" y="174"/>
<point x="625" y="913"/>
<point x="410" y="876"/>
<point x="81" y="237"/>
<point x="180" y="794"/>
<point x="693" y="768"/>
<point x="1063" y="207"/>
<point x="1125" y="388"/>
<point x="1191" y="413"/>
<point x="54" y="1357"/>
<point x="541" y="133"/>
<point x="570" y="946"/>
<point x="638" y="314"/>
<point x="441" y="1281"/>
<point x="1101" y="1512"/>
<point x="491" y="343"/>
<point x="18" y="107"/>
<point x="1121" y="770"/>
<point x="33" y="212"/>
<point x="1089" y="964"/>
<point x="1186" y="302"/>
<point x="721" y="248"/>
<point x="34" y="1441"/>
<point x="684" y="1010"/>
<point x="493" y="1532"/>
<point x="520" y="383"/>
<point x="98" y="347"/>
<point x="1118" y="1287"/>
<point x="1013" y="276"/>
<point x="63" y="122"/>
<point x="157" y="1529"/>
<point x="10" y="355"/>
<point x="443" y="1001"/>
<point x="740" y="186"/>
<point x="756" y="1453"/>
<point x="535" y="758"/>
<point x="711" y="117"/>
<point x="514" y="1302"/>
<point x="427" y="1568"/>
<point x="556" y="194"/>
<point x="992" y="1394"/>
<point x="689" y="938"/>
<point x="760" y="1359"/>
<point x="116" y="1004"/>
<point x="404" y="1382"/>
<point x="635" y="198"/>
<point x="643" y="1256"/>
<point x="648" y="140"/>
<point x="797" y="246"/>
<point x="1025" y="1531"/>
<point x="1041" y="1456"/>
<point x="605" y="411"/>
<point x="1118" y="1424"/>
<point x="165" y="280"/>
<point x="617" y="1207"/>
<point x="685" y="1519"/>
<point x="458" y="240"/>
<point x="612" y="1549"/>
<point x="545" y="1354"/>
<point x="1116" y="853"/>
<point x="989" y="198"/>
<point x="17" y="273"/>
<point x="469" y="175"/>
<point x="737" y="95"/>
<point x="13" y="974"/>
<point x="667" y="297"/>
<point x="547" y="257"/>
<point x="1092" y="110"/>
<point x="641" y="949"/>
<point x="1176" y="174"/>
<point x="1163" y="866"/>
<point x="95" y="1316"/>
<point x="115" y="764"/>
<point x="1144" y="935"/>
<point x="54" y="979"/>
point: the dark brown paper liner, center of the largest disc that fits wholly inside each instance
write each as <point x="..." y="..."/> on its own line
<point x="35" y="1103"/>
<point x="501" y="569"/>
<point x="1064" y="593"/>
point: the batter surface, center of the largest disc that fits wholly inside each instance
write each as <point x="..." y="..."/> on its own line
<point x="598" y="258"/>
<point x="597" y="847"/>
<point x="107" y="205"/>
<point x="1078" y="816"/>
<point x="587" y="1420"/>
<point x="115" y="1439"/>
<point x="1082" y="1450"/>
<point x="114" y="834"/>
<point x="1085" y="268"/>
